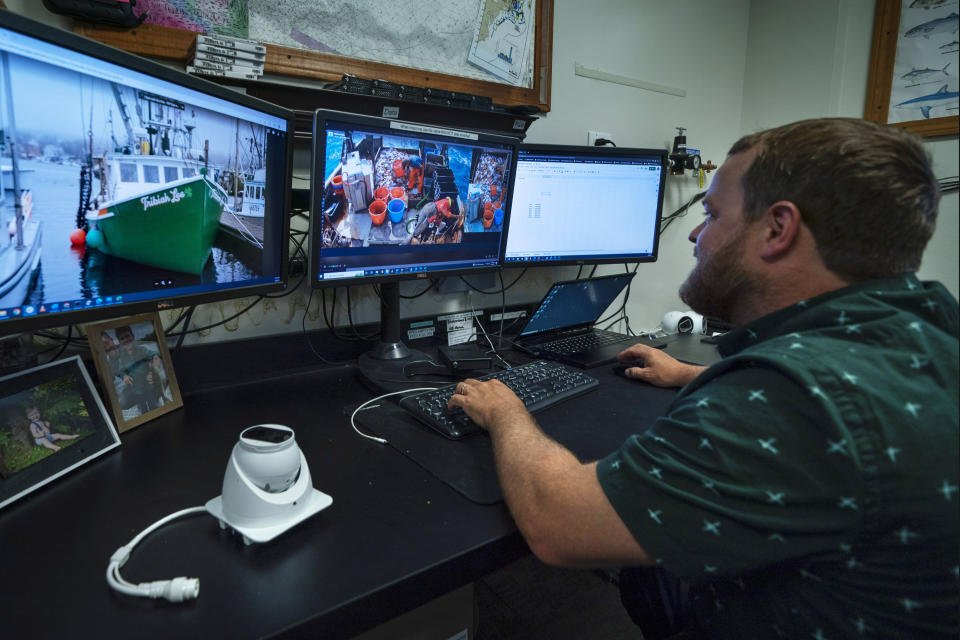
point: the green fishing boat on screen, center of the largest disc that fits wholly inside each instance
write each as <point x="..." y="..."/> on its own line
<point x="172" y="227"/>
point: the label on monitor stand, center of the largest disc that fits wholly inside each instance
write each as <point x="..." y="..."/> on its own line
<point x="426" y="332"/>
<point x="509" y="315"/>
<point x="458" y="316"/>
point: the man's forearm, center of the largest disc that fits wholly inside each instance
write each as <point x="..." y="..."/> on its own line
<point x="529" y="465"/>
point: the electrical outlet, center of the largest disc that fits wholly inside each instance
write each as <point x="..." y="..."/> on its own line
<point x="593" y="135"/>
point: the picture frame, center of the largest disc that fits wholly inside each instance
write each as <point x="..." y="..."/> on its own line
<point x="51" y="422"/>
<point x="134" y="367"/>
<point x="910" y="38"/>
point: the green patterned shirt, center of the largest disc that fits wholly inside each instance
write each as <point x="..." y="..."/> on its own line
<point x="806" y="485"/>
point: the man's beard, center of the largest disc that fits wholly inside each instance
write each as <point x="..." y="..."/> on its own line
<point x="719" y="283"/>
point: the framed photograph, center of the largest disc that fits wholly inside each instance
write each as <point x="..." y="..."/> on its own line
<point x="134" y="366"/>
<point x="913" y="66"/>
<point x="51" y="422"/>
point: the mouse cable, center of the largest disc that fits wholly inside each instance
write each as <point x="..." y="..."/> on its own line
<point x="176" y="590"/>
<point x="364" y="406"/>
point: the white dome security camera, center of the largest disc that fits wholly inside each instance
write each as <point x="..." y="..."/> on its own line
<point x="267" y="487"/>
<point x="269" y="456"/>
<point x="684" y="322"/>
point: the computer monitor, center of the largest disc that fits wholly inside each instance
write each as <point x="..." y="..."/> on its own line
<point x="394" y="200"/>
<point x="129" y="186"/>
<point x="585" y="205"/>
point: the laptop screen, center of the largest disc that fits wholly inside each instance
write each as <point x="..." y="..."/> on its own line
<point x="576" y="302"/>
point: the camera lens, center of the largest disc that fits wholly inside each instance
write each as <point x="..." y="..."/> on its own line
<point x="267" y="434"/>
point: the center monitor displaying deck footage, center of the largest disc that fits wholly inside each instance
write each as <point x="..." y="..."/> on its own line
<point x="129" y="186"/>
<point x="393" y="200"/>
<point x="578" y="205"/>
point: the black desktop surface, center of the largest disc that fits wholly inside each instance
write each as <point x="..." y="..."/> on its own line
<point x="395" y="537"/>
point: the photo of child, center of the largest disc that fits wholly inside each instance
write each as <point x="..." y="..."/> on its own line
<point x="37" y="423"/>
<point x="51" y="422"/>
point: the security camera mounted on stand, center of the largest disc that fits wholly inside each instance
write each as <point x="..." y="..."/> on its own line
<point x="267" y="490"/>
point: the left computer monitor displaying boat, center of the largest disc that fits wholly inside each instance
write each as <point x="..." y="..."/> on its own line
<point x="126" y="185"/>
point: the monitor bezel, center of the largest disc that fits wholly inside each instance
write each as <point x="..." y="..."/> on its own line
<point x="316" y="195"/>
<point x="80" y="44"/>
<point x="563" y="149"/>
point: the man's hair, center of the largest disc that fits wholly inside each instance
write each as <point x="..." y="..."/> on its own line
<point x="866" y="191"/>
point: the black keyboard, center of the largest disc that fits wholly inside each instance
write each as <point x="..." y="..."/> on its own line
<point x="539" y="384"/>
<point x="583" y="342"/>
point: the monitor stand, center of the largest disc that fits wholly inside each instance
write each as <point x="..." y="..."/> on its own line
<point x="383" y="366"/>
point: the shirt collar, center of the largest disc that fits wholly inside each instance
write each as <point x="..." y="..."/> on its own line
<point x="788" y="319"/>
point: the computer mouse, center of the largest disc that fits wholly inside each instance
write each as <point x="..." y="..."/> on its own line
<point x="620" y="368"/>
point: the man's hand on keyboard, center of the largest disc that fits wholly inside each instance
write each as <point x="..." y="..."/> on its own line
<point x="488" y="403"/>
<point x="659" y="369"/>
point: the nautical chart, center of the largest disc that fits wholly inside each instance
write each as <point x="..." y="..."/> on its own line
<point x="481" y="39"/>
<point x="433" y="36"/>
<point x="222" y="17"/>
<point x="503" y="39"/>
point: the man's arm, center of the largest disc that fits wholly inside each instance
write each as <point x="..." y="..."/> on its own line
<point x="556" y="501"/>
<point x="658" y="368"/>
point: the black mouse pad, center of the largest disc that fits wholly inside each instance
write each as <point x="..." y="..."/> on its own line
<point x="465" y="465"/>
<point x="591" y="425"/>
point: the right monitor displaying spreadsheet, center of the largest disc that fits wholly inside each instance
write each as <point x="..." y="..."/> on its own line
<point x="585" y="205"/>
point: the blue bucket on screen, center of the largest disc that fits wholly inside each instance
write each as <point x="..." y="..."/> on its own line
<point x="497" y="216"/>
<point x="396" y="208"/>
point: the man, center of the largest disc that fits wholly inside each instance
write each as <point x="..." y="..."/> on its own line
<point x="134" y="366"/>
<point x="806" y="485"/>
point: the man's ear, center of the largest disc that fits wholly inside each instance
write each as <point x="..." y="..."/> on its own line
<point x="782" y="224"/>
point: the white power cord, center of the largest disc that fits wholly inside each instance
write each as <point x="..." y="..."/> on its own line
<point x="175" y="590"/>
<point x="364" y="406"/>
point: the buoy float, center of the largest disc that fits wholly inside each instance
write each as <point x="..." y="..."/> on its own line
<point x="95" y="238"/>
<point x="78" y="237"/>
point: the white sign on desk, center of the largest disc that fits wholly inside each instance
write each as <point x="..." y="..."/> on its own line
<point x="461" y="329"/>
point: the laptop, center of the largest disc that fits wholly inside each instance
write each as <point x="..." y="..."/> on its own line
<point x="562" y="328"/>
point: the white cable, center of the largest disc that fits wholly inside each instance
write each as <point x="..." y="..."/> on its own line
<point x="493" y="349"/>
<point x="175" y="590"/>
<point x="364" y="405"/>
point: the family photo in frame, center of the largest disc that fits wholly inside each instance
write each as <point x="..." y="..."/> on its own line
<point x="51" y="421"/>
<point x="133" y="362"/>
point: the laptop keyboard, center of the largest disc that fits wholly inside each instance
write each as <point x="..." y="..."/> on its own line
<point x="539" y="384"/>
<point x="583" y="342"/>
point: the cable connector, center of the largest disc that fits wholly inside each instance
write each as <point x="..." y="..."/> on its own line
<point x="176" y="590"/>
<point x="120" y="556"/>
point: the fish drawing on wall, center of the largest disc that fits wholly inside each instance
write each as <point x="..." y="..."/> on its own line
<point x="927" y="4"/>
<point x="939" y="25"/>
<point x="918" y="75"/>
<point x="942" y="99"/>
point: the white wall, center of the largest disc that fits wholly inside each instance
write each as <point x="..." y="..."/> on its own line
<point x="811" y="59"/>
<point x="744" y="65"/>
<point x="696" y="46"/>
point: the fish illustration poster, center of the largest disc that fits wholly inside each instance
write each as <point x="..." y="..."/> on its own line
<point x="925" y="72"/>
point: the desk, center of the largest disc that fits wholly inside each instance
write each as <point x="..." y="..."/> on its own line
<point x="394" y="538"/>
